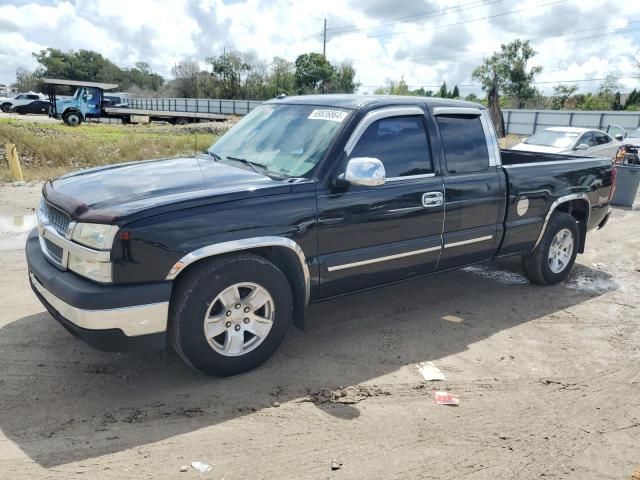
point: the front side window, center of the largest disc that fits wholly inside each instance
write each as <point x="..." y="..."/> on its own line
<point x="287" y="140"/>
<point x="464" y="143"/>
<point x="588" y="139"/>
<point x="602" y="138"/>
<point x="400" y="143"/>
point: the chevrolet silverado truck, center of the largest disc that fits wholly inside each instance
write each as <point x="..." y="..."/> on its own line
<point x="307" y="198"/>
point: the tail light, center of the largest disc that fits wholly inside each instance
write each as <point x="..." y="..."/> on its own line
<point x="614" y="178"/>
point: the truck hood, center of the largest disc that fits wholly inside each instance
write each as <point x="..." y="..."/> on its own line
<point x="108" y="194"/>
<point x="526" y="147"/>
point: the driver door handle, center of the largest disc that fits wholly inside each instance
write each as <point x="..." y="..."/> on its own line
<point x="432" y="199"/>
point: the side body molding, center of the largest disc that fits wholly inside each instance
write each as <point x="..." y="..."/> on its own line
<point x="560" y="201"/>
<point x="244" y="244"/>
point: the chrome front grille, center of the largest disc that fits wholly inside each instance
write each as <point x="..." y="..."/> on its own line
<point x="56" y="218"/>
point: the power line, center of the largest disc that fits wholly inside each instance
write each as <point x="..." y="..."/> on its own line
<point x="468" y="85"/>
<point x="411" y="18"/>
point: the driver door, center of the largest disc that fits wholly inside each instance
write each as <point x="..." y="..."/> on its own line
<point x="371" y="235"/>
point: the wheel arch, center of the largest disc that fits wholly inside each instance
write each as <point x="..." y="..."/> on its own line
<point x="285" y="253"/>
<point x="579" y="207"/>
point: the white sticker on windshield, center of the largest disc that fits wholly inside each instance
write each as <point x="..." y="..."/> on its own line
<point x="333" y="115"/>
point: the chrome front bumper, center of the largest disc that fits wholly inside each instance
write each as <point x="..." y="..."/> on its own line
<point x="132" y="321"/>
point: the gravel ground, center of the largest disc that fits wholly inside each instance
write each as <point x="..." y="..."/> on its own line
<point x="547" y="378"/>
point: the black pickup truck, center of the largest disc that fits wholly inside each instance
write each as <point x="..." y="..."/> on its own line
<point x="307" y="198"/>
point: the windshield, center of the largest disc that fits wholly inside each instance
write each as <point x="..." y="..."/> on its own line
<point x="288" y="140"/>
<point x="551" y="138"/>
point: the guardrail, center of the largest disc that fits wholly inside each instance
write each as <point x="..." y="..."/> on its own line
<point x="195" y="105"/>
<point x="527" y="122"/>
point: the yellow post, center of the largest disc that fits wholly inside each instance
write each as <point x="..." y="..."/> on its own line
<point x="14" y="163"/>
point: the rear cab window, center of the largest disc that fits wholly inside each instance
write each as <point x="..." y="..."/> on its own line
<point x="464" y="143"/>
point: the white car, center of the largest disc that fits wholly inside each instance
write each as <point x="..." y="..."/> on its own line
<point x="586" y="142"/>
<point x="6" y="104"/>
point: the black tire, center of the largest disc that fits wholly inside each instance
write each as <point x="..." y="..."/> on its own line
<point x="5" y="107"/>
<point x="181" y="121"/>
<point x="20" y="111"/>
<point x="73" y="119"/>
<point x="198" y="288"/>
<point x="536" y="264"/>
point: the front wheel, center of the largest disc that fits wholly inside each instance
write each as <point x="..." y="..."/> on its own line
<point x="73" y="119"/>
<point x="551" y="261"/>
<point x="228" y="315"/>
<point x="6" y="108"/>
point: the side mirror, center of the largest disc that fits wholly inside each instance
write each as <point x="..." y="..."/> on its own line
<point x="619" y="137"/>
<point x="582" y="146"/>
<point x="364" y="171"/>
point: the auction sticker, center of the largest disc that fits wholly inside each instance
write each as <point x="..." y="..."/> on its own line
<point x="332" y="115"/>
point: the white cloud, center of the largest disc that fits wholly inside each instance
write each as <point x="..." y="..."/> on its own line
<point x="425" y="41"/>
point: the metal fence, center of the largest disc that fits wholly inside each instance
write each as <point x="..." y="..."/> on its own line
<point x="527" y="122"/>
<point x="195" y="105"/>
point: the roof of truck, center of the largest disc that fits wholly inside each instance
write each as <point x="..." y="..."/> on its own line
<point x="353" y="101"/>
<point x="80" y="83"/>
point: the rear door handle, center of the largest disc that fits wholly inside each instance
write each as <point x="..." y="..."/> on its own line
<point x="432" y="199"/>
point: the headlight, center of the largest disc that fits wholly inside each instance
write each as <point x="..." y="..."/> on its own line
<point x="95" y="235"/>
<point x="98" y="271"/>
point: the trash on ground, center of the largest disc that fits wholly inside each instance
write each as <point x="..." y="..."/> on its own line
<point x="336" y="464"/>
<point x="202" y="467"/>
<point x="445" y="398"/>
<point x="184" y="468"/>
<point x="430" y="372"/>
<point x="453" y="319"/>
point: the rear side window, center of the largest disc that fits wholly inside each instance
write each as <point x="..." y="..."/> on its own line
<point x="400" y="143"/>
<point x="464" y="143"/>
<point x="33" y="97"/>
<point x="602" y="138"/>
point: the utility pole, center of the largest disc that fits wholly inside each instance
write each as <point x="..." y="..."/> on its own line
<point x="324" y="40"/>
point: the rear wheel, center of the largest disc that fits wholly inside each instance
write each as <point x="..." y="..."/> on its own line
<point x="181" y="121"/>
<point x="551" y="261"/>
<point x="73" y="119"/>
<point x="228" y="315"/>
<point x="5" y="107"/>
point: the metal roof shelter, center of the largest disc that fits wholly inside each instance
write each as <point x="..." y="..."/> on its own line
<point x="80" y="83"/>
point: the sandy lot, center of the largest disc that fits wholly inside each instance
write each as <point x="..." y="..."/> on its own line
<point x="548" y="380"/>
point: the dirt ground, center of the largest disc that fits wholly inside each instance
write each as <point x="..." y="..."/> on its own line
<point x="548" y="380"/>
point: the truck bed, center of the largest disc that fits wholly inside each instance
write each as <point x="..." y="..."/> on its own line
<point x="517" y="157"/>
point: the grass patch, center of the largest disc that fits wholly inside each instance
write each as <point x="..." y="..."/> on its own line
<point x="47" y="150"/>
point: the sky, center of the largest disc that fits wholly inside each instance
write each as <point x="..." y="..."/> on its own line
<point x="425" y="42"/>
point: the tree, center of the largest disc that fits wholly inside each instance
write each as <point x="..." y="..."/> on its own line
<point x="27" y="81"/>
<point x="443" y="91"/>
<point x="313" y="72"/>
<point x="185" y="74"/>
<point x="343" y="80"/>
<point x="282" y="78"/>
<point x="489" y="75"/>
<point x="456" y="92"/>
<point x="563" y="96"/>
<point x="229" y="71"/>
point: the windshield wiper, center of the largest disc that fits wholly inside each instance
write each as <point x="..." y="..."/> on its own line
<point x="215" y="156"/>
<point x="253" y="165"/>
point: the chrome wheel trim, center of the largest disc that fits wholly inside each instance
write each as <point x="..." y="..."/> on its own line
<point x="239" y="319"/>
<point x="560" y="251"/>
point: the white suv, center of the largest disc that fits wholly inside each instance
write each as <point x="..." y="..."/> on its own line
<point x="6" y="104"/>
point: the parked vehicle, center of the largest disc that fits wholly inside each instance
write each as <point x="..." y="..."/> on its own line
<point x="36" y="107"/>
<point x="629" y="151"/>
<point x="90" y="101"/>
<point x="21" y="99"/>
<point x="305" y="199"/>
<point x="577" y="141"/>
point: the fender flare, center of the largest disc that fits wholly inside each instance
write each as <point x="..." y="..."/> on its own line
<point x="564" y="199"/>
<point x="238" y="246"/>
